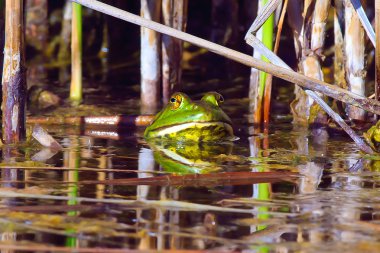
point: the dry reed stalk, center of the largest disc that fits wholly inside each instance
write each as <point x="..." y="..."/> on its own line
<point x="254" y="81"/>
<point x="304" y="109"/>
<point x="339" y="71"/>
<point x="354" y="56"/>
<point x="318" y="34"/>
<point x="377" y="57"/>
<point x="174" y="15"/>
<point x="364" y="20"/>
<point x="332" y="91"/>
<point x="150" y="58"/>
<point x="14" y="79"/>
<point x="301" y="105"/>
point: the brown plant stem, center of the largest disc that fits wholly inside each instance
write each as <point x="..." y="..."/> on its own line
<point x="354" y="50"/>
<point x="14" y="79"/>
<point x="150" y="58"/>
<point x="174" y="15"/>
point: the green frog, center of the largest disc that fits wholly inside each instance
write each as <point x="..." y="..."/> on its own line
<point x="372" y="136"/>
<point x="184" y="120"/>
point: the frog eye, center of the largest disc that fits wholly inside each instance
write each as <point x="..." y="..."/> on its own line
<point x="175" y="101"/>
<point x="220" y="99"/>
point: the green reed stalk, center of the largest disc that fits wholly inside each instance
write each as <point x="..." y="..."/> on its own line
<point x="267" y="39"/>
<point x="76" y="55"/>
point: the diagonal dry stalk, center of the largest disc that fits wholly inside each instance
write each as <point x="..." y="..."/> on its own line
<point x="364" y="21"/>
<point x="263" y="15"/>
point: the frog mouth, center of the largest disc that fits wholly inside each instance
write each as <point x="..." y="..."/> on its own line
<point x="162" y="131"/>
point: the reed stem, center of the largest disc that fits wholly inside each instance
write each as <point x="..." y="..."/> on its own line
<point x="76" y="55"/>
<point x="354" y="58"/>
<point x="174" y="15"/>
<point x="267" y="39"/>
<point x="14" y="74"/>
<point x="150" y="58"/>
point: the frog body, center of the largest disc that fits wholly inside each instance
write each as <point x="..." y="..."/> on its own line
<point x="372" y="136"/>
<point x="184" y="120"/>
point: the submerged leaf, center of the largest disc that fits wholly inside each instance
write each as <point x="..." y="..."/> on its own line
<point x="44" y="138"/>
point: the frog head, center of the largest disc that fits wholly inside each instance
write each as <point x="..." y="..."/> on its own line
<point x="185" y="120"/>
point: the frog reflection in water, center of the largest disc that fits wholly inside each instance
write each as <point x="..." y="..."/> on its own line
<point x="184" y="120"/>
<point x="189" y="136"/>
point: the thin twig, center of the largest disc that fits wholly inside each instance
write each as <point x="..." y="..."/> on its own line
<point x="266" y="11"/>
<point x="364" y="21"/>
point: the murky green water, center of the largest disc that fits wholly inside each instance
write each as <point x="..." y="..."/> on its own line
<point x="97" y="193"/>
